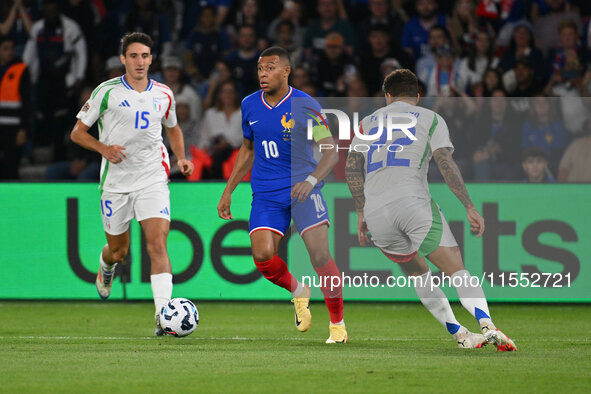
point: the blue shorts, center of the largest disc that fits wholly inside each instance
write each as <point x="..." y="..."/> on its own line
<point x="274" y="211"/>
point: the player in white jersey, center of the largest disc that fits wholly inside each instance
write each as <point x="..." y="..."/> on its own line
<point x="387" y="176"/>
<point x="130" y="111"/>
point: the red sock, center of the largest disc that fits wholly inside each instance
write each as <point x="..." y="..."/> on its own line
<point x="277" y="272"/>
<point x="332" y="297"/>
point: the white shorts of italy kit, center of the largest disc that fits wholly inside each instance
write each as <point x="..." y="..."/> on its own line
<point x="117" y="209"/>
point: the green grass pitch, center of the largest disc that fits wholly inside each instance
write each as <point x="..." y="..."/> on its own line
<point x="254" y="347"/>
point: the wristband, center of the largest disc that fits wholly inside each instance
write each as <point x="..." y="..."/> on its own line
<point x="311" y="180"/>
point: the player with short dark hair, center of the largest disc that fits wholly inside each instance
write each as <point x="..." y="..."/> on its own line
<point x="392" y="199"/>
<point x="401" y="83"/>
<point x="281" y="190"/>
<point x="130" y="111"/>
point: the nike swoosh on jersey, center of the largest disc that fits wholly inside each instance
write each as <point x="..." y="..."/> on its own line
<point x="321" y="215"/>
<point x="251" y="122"/>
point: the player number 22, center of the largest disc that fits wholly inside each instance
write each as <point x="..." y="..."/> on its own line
<point x="271" y="149"/>
<point x="391" y="159"/>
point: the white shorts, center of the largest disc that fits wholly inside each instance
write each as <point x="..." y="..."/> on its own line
<point x="409" y="225"/>
<point x="117" y="209"/>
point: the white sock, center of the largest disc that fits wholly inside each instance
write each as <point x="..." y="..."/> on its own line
<point x="436" y="302"/>
<point x="298" y="289"/>
<point x="471" y="296"/>
<point x="161" y="289"/>
<point x="106" y="267"/>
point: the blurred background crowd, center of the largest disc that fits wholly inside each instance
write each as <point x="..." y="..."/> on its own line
<point x="518" y="73"/>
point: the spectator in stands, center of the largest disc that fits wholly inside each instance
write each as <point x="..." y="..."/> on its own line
<point x="534" y="162"/>
<point x="523" y="45"/>
<point x="243" y="61"/>
<point x="458" y="112"/>
<point x="222" y="127"/>
<point x="329" y="71"/>
<point x="249" y="14"/>
<point x="538" y="8"/>
<point x="463" y="26"/>
<point x="190" y="125"/>
<point x="388" y="65"/>
<point x="56" y="56"/>
<point x="495" y="140"/>
<point x="299" y="77"/>
<point x="569" y="51"/>
<point x="380" y="49"/>
<point x="491" y="80"/>
<point x="329" y="22"/>
<point x="416" y="30"/>
<point x="16" y="22"/>
<point x="292" y="12"/>
<point x="526" y="85"/>
<point x="221" y="73"/>
<point x="204" y="45"/>
<point x="285" y="38"/>
<point x="174" y="78"/>
<point x="191" y="129"/>
<point x="145" y="18"/>
<point x="575" y="165"/>
<point x="480" y="57"/>
<point x="501" y="16"/>
<point x="310" y="90"/>
<point x="15" y="108"/>
<point x="438" y="37"/>
<point x="80" y="164"/>
<point x="114" y="68"/>
<point x="545" y="129"/>
<point x="192" y="8"/>
<point x="81" y="12"/>
<point x="357" y="88"/>
<point x="569" y="79"/>
<point x="546" y="26"/>
<point x="380" y="14"/>
<point x="440" y="79"/>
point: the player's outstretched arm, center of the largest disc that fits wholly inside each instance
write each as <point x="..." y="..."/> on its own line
<point x="243" y="164"/>
<point x="177" y="144"/>
<point x="453" y="177"/>
<point x="329" y="159"/>
<point x="354" y="173"/>
<point x="114" y="153"/>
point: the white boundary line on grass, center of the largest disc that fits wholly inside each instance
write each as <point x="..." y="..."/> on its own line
<point x="196" y="338"/>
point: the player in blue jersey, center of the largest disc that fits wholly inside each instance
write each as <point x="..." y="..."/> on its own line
<point x="268" y="129"/>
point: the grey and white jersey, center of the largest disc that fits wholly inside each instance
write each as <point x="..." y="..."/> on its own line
<point x="397" y="167"/>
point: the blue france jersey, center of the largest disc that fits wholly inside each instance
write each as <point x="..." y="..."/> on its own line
<point x="276" y="134"/>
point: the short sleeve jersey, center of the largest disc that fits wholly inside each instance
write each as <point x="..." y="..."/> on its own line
<point x="282" y="154"/>
<point x="397" y="167"/>
<point x="133" y="120"/>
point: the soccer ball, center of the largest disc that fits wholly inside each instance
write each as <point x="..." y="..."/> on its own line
<point x="179" y="317"/>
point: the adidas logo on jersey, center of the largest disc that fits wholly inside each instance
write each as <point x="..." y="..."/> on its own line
<point x="124" y="103"/>
<point x="165" y="211"/>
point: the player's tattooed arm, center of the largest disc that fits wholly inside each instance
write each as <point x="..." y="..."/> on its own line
<point x="452" y="175"/>
<point x="355" y="179"/>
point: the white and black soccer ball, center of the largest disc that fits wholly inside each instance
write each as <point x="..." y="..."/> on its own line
<point x="179" y="317"/>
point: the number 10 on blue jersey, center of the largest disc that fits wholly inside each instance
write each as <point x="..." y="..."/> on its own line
<point x="271" y="149"/>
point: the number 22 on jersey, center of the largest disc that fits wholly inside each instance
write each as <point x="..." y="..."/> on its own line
<point x="391" y="159"/>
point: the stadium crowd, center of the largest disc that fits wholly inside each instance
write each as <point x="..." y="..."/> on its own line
<point x="530" y="57"/>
